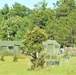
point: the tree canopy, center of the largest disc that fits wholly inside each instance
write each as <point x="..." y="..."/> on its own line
<point x="59" y="23"/>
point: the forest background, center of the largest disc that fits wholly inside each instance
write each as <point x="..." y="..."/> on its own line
<point x="59" y="23"/>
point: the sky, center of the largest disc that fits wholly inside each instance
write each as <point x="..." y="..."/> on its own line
<point x="27" y="3"/>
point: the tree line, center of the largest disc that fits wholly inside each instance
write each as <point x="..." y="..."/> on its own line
<point x="59" y="23"/>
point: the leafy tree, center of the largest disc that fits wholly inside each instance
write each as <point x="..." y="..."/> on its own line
<point x="32" y="45"/>
<point x="41" y="5"/>
<point x="64" y="10"/>
<point x="41" y="17"/>
<point x="72" y="25"/>
<point x="4" y="11"/>
<point x="16" y="27"/>
<point x="10" y="26"/>
<point x="24" y="24"/>
<point x="52" y="28"/>
<point x="19" y="10"/>
<point x="65" y="7"/>
<point x="59" y="23"/>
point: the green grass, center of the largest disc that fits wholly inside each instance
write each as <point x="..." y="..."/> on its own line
<point x="8" y="67"/>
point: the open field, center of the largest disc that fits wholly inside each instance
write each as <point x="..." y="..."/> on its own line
<point x="7" y="67"/>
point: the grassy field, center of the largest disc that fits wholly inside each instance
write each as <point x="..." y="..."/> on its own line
<point x="7" y="67"/>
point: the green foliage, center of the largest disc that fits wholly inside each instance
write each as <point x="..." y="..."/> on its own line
<point x="6" y="53"/>
<point x="40" y="18"/>
<point x="33" y="40"/>
<point x="5" y="9"/>
<point x="39" y="62"/>
<point x="32" y="44"/>
<point x="19" y="10"/>
<point x="41" y="5"/>
<point x="2" y="58"/>
<point x="59" y="23"/>
<point x="15" y="58"/>
<point x="20" y="56"/>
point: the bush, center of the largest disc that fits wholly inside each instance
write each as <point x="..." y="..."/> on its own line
<point x="15" y="59"/>
<point x="6" y="53"/>
<point x="1" y="53"/>
<point x="54" y="57"/>
<point x="10" y="53"/>
<point x="2" y="58"/>
<point x="20" y="56"/>
<point x="38" y="62"/>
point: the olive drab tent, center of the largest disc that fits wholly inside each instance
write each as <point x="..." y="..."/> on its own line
<point x="9" y="45"/>
<point x="51" y="47"/>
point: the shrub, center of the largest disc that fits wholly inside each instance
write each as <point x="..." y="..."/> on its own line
<point x="1" y="53"/>
<point x="20" y="56"/>
<point x="10" y="53"/>
<point x="54" y="57"/>
<point x="39" y="62"/>
<point x="2" y="58"/>
<point x="6" y="53"/>
<point x="15" y="59"/>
